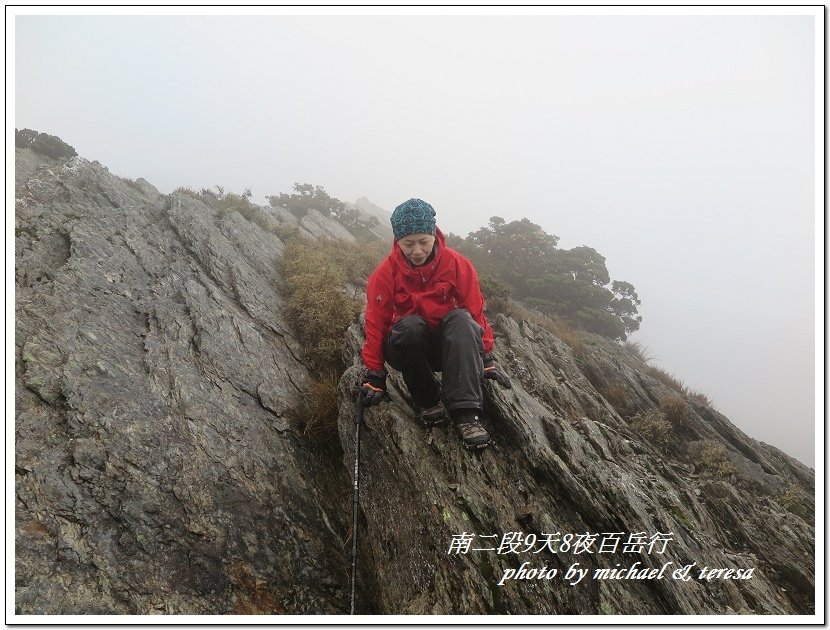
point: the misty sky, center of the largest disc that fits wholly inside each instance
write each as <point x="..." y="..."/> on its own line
<point x="682" y="148"/>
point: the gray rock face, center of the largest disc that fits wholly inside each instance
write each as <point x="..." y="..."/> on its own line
<point x="318" y="226"/>
<point x="565" y="463"/>
<point x="158" y="470"/>
<point x="312" y="225"/>
<point x="367" y="209"/>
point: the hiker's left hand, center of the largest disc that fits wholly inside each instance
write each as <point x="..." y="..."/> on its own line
<point x="373" y="388"/>
<point x="492" y="370"/>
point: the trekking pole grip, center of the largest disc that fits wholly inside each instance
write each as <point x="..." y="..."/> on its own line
<point x="358" y="411"/>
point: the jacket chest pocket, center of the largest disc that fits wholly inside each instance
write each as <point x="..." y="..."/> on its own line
<point x="444" y="292"/>
<point x="403" y="301"/>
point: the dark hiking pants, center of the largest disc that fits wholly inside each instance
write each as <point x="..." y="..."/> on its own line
<point x="454" y="349"/>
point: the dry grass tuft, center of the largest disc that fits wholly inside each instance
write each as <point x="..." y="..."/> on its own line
<point x="131" y="183"/>
<point x="286" y="232"/>
<point x="639" y="351"/>
<point x="231" y="202"/>
<point x="318" y="412"/>
<point x="205" y="195"/>
<point x="616" y="397"/>
<point x="676" y="411"/>
<point x="354" y="259"/>
<point x="794" y="500"/>
<point x="570" y="335"/>
<point x="503" y="305"/>
<point x="318" y="309"/>
<point x="714" y="457"/>
<point x="357" y="259"/>
<point x="654" y="427"/>
<point x="573" y="337"/>
<point x="666" y="378"/>
<point x="701" y="399"/>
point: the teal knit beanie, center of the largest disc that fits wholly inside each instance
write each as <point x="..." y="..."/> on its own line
<point x="413" y="217"/>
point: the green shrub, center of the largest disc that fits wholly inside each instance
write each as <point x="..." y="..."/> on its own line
<point x="43" y="143"/>
<point x="505" y="306"/>
<point x="573" y="284"/>
<point x="493" y="288"/>
<point x="23" y="138"/>
<point x="496" y="295"/>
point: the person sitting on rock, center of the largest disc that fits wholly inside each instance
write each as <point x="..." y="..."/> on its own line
<point x="425" y="314"/>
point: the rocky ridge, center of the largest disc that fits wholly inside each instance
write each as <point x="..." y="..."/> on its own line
<point x="158" y="469"/>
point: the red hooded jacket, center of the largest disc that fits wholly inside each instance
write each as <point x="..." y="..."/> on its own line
<point x="396" y="289"/>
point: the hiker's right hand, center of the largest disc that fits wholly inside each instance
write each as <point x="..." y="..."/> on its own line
<point x="373" y="388"/>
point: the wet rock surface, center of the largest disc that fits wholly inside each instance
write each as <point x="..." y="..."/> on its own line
<point x="564" y="463"/>
<point x="158" y="469"/>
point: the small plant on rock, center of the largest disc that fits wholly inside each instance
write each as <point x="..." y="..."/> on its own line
<point x="131" y="183"/>
<point x="666" y="378"/>
<point x="318" y="411"/>
<point x="793" y="500"/>
<point x="676" y="411"/>
<point x="319" y="310"/>
<point x="700" y="398"/>
<point x="497" y="294"/>
<point x="654" y="427"/>
<point x="714" y="457"/>
<point x="615" y="394"/>
<point x="639" y="351"/>
<point x="232" y="202"/>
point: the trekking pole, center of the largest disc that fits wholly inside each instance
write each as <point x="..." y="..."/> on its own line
<point x="358" y="420"/>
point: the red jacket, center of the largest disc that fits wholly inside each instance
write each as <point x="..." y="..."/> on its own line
<point x="396" y="289"/>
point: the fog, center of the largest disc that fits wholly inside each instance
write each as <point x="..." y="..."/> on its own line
<point x="682" y="148"/>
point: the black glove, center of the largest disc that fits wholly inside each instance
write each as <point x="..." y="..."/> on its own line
<point x="373" y="388"/>
<point x="491" y="370"/>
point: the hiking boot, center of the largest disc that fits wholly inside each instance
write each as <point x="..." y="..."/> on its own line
<point x="434" y="416"/>
<point x="469" y="429"/>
